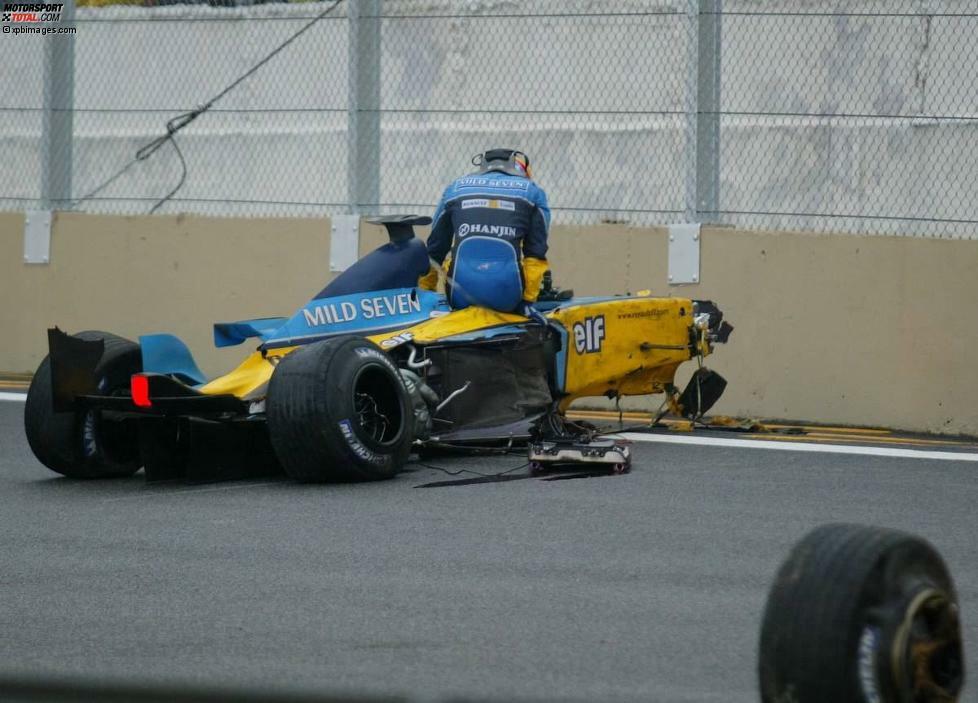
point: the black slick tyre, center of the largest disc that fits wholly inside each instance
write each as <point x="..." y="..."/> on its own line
<point x="861" y="614"/>
<point x="338" y="410"/>
<point x="85" y="443"/>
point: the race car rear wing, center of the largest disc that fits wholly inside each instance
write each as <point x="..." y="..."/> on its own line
<point x="74" y="382"/>
<point x="73" y="363"/>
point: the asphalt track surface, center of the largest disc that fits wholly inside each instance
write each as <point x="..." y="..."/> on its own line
<point x="647" y="586"/>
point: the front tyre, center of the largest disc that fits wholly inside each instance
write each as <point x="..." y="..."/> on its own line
<point x="338" y="410"/>
<point x="85" y="443"/>
<point x="861" y="614"/>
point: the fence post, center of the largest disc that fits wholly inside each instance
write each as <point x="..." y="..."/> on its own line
<point x="703" y="110"/>
<point x="363" y="116"/>
<point x="57" y="117"/>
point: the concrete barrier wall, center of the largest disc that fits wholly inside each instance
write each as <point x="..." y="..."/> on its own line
<point x="829" y="328"/>
<point x="133" y="275"/>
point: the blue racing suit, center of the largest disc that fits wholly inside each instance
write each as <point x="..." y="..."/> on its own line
<point x="495" y="226"/>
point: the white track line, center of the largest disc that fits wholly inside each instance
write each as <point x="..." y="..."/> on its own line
<point x="747" y="443"/>
<point x="798" y="446"/>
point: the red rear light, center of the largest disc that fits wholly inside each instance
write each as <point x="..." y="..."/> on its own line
<point x="139" y="386"/>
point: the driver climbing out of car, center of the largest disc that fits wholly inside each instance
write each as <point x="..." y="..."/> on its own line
<point x="491" y="227"/>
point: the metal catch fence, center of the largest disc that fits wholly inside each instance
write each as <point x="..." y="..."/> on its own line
<point x="789" y="114"/>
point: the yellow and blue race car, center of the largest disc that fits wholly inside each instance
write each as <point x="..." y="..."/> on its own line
<point x="368" y="369"/>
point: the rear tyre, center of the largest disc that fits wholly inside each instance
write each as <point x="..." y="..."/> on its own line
<point x="85" y="443"/>
<point x="861" y="615"/>
<point x="338" y="410"/>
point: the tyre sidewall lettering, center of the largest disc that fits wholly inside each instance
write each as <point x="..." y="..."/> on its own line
<point x="89" y="435"/>
<point x="356" y="446"/>
<point x="868" y="652"/>
<point x="378" y="355"/>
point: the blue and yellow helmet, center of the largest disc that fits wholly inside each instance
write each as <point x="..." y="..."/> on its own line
<point x="510" y="161"/>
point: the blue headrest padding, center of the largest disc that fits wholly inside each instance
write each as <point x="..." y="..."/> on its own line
<point x="166" y="354"/>
<point x="486" y="273"/>
<point x="228" y="334"/>
<point x="393" y="265"/>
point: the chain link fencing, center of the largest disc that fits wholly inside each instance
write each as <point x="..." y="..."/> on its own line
<point x="797" y="114"/>
<point x="855" y="116"/>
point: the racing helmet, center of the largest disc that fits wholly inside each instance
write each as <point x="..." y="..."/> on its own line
<point x="510" y="161"/>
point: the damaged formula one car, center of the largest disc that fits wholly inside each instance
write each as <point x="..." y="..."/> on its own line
<point x="370" y="368"/>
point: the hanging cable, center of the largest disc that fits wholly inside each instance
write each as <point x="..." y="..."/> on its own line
<point x="174" y="125"/>
<point x="459" y="472"/>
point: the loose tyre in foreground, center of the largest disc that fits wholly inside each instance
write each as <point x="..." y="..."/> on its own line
<point x="861" y="614"/>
